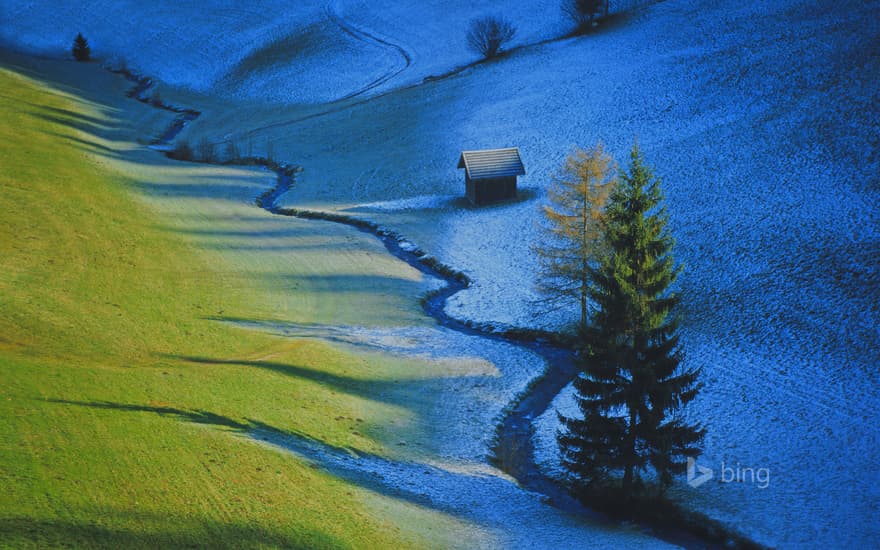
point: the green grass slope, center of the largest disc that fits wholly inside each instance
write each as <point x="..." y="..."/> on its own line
<point x="112" y="435"/>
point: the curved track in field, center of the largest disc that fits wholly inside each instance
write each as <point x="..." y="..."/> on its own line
<point x="363" y="35"/>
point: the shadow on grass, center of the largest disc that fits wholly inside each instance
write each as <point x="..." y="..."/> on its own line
<point x="87" y="145"/>
<point x="81" y="122"/>
<point x="394" y="391"/>
<point x="257" y="233"/>
<point x="107" y="127"/>
<point x="65" y="116"/>
<point x="399" y="341"/>
<point x="471" y="491"/>
<point x="416" y="482"/>
<point x="405" y="480"/>
<point x="257" y="239"/>
<point x="175" y="532"/>
<point x="195" y="416"/>
<point x="199" y="416"/>
<point x="200" y="190"/>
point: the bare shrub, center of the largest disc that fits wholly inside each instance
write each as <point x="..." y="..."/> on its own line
<point x="116" y="64"/>
<point x="270" y="151"/>
<point x="206" y="150"/>
<point x="583" y="12"/>
<point x="487" y="34"/>
<point x="182" y="151"/>
<point x="232" y="155"/>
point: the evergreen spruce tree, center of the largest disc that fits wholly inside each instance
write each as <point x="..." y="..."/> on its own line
<point x="81" y="50"/>
<point x="631" y="388"/>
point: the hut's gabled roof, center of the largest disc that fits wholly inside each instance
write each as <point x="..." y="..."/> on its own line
<point x="492" y="163"/>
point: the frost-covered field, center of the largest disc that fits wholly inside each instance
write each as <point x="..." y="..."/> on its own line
<point x="763" y="120"/>
<point x="763" y="123"/>
<point x="273" y="50"/>
<point x="448" y="469"/>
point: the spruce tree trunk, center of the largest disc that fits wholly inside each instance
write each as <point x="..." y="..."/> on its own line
<point x="631" y="453"/>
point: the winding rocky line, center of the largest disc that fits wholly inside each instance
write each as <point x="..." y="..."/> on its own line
<point x="513" y="451"/>
<point x="139" y="92"/>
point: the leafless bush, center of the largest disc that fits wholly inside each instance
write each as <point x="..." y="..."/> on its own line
<point x="116" y="64"/>
<point x="182" y="151"/>
<point x="487" y="34"/>
<point x="270" y="151"/>
<point x="582" y="12"/>
<point x="206" y="151"/>
<point x="232" y="155"/>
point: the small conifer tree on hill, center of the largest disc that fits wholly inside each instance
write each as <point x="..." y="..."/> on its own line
<point x="81" y="50"/>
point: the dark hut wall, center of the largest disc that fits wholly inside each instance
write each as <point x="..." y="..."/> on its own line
<point x="484" y="191"/>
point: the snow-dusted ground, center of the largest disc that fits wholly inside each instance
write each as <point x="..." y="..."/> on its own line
<point x="808" y="424"/>
<point x="481" y="378"/>
<point x="273" y="50"/>
<point x="445" y="466"/>
<point x="763" y="119"/>
<point x="506" y="516"/>
<point x="762" y="147"/>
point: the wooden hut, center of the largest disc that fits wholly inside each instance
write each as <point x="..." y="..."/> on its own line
<point x="490" y="174"/>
